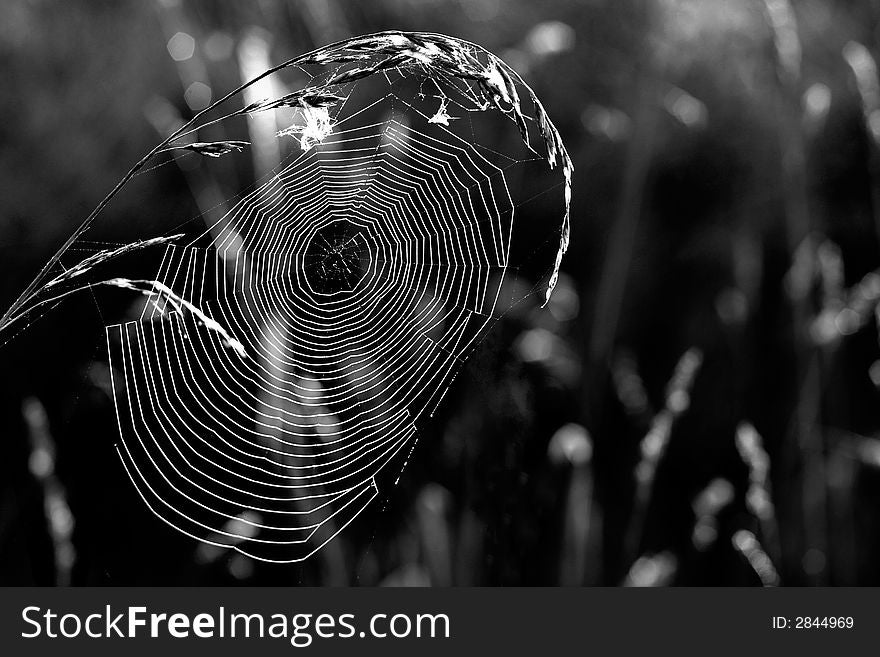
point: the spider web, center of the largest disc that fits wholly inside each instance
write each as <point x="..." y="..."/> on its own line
<point x="293" y="350"/>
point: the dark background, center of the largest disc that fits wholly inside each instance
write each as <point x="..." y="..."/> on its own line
<point x="725" y="226"/>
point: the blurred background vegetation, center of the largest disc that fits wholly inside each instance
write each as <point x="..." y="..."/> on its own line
<point x="698" y="404"/>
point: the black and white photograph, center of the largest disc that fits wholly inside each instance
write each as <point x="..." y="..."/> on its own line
<point x="496" y="299"/>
